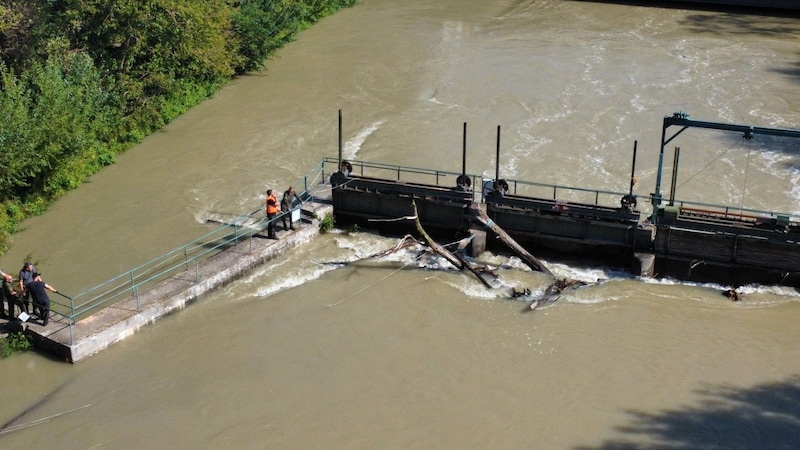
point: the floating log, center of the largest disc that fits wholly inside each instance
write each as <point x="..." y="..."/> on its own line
<point x="446" y="254"/>
<point x="733" y="295"/>
<point x="481" y="217"/>
<point x="405" y="242"/>
<point x="554" y="291"/>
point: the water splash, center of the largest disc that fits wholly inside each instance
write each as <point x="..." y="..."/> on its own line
<point x="351" y="147"/>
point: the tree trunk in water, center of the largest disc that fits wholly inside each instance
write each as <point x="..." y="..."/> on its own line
<point x="446" y="254"/>
<point x="481" y="217"/>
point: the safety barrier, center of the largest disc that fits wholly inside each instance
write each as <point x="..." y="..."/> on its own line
<point x="189" y="255"/>
<point x="175" y="261"/>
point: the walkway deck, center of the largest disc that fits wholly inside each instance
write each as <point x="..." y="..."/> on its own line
<point x="115" y="323"/>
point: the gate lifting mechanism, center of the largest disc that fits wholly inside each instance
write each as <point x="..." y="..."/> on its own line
<point x="682" y="120"/>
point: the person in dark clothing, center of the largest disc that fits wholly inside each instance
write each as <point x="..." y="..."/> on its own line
<point x="346" y="168"/>
<point x="38" y="290"/>
<point x="286" y="206"/>
<point x="272" y="211"/>
<point x="25" y="277"/>
<point x="10" y="295"/>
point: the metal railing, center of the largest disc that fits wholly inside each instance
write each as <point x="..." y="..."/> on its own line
<point x="175" y="261"/>
<point x="404" y="173"/>
<point x="190" y="255"/>
<point x="481" y="185"/>
<point x="736" y="212"/>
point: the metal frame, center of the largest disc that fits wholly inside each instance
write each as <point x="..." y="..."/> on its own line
<point x="682" y="120"/>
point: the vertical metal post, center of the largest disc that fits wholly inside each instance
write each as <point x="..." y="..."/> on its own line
<point x="633" y="168"/>
<point x="339" y="167"/>
<point x="136" y="295"/>
<point x="673" y="188"/>
<point x="655" y="198"/>
<point x="497" y="157"/>
<point x="464" y="152"/>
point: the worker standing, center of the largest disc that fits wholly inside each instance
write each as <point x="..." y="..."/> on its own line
<point x="272" y="211"/>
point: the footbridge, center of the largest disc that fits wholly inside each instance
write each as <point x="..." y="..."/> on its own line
<point x="680" y="239"/>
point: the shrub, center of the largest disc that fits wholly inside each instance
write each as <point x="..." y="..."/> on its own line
<point x="16" y="343"/>
<point x="326" y="224"/>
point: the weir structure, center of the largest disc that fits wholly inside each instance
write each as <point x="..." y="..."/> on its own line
<point x="684" y="240"/>
<point x="687" y="240"/>
<point x="726" y="244"/>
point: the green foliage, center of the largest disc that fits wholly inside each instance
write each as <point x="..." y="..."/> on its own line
<point x="83" y="80"/>
<point x="354" y="228"/>
<point x="15" y="343"/>
<point x="58" y="119"/>
<point x="264" y="26"/>
<point x="10" y="217"/>
<point x="326" y="224"/>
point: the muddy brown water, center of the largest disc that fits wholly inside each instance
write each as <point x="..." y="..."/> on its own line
<point x="395" y="352"/>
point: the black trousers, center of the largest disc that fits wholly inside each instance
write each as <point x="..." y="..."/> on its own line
<point x="44" y="309"/>
<point x="25" y="299"/>
<point x="287" y="218"/>
<point x="271" y="225"/>
<point x="13" y="301"/>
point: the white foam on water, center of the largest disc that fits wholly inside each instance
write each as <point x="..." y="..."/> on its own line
<point x="302" y="276"/>
<point x="352" y="146"/>
<point x="362" y="245"/>
<point x="471" y="287"/>
<point x="754" y="295"/>
<point x="282" y="274"/>
<point x="511" y="274"/>
<point x="783" y="166"/>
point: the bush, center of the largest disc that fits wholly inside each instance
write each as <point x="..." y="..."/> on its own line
<point x="82" y="81"/>
<point x="326" y="224"/>
<point x="16" y="343"/>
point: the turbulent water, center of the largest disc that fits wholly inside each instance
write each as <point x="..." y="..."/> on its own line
<point x="398" y="351"/>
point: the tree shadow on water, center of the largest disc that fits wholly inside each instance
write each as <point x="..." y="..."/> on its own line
<point x="732" y="24"/>
<point x="765" y="416"/>
<point x="792" y="71"/>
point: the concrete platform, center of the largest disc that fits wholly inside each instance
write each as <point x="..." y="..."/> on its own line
<point x="114" y="323"/>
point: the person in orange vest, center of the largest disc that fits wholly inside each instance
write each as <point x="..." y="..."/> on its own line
<point x="272" y="211"/>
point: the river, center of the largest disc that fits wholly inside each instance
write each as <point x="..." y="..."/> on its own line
<point x="394" y="353"/>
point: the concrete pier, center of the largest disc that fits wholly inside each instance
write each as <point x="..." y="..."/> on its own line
<point x="114" y="323"/>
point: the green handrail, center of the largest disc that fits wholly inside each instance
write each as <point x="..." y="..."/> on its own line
<point x="215" y="241"/>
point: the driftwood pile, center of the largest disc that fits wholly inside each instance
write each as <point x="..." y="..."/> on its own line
<point x="481" y="272"/>
<point x="552" y="293"/>
<point x="484" y="274"/>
